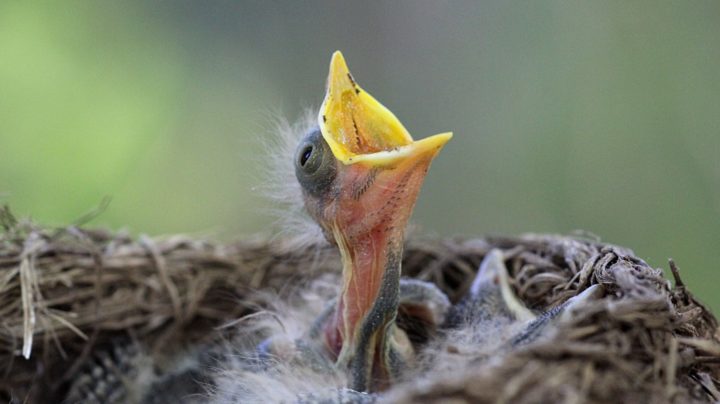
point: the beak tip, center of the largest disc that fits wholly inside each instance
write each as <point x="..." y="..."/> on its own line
<point x="338" y="66"/>
<point x="442" y="139"/>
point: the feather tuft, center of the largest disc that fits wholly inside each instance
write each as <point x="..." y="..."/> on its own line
<point x="241" y="377"/>
<point x="279" y="185"/>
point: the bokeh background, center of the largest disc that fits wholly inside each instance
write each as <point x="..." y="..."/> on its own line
<point x="602" y="117"/>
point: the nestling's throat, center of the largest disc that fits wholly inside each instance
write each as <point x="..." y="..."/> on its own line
<point x="370" y="284"/>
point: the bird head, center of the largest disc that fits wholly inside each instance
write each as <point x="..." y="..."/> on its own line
<point x="361" y="172"/>
<point x="359" y="159"/>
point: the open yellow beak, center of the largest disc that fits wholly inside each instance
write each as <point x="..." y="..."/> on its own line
<point x="360" y="129"/>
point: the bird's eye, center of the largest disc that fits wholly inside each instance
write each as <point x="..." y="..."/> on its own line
<point x="314" y="163"/>
<point x="305" y="154"/>
<point x="309" y="157"/>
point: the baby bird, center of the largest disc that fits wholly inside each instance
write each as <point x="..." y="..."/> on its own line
<point x="360" y="173"/>
<point x="491" y="319"/>
<point x="490" y="297"/>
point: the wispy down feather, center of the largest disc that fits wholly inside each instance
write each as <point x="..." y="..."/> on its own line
<point x="279" y="184"/>
<point x="240" y="377"/>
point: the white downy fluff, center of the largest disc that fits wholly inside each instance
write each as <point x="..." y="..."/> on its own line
<point x="287" y="318"/>
<point x="280" y="186"/>
<point x="286" y="381"/>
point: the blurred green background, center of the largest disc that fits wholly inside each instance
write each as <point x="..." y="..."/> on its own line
<point x="603" y="117"/>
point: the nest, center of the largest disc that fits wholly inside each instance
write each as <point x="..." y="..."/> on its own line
<point x="66" y="293"/>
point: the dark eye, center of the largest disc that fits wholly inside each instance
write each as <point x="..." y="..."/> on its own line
<point x="314" y="163"/>
<point x="305" y="154"/>
<point x="308" y="157"/>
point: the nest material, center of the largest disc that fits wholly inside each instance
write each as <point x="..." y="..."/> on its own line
<point x="65" y="293"/>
